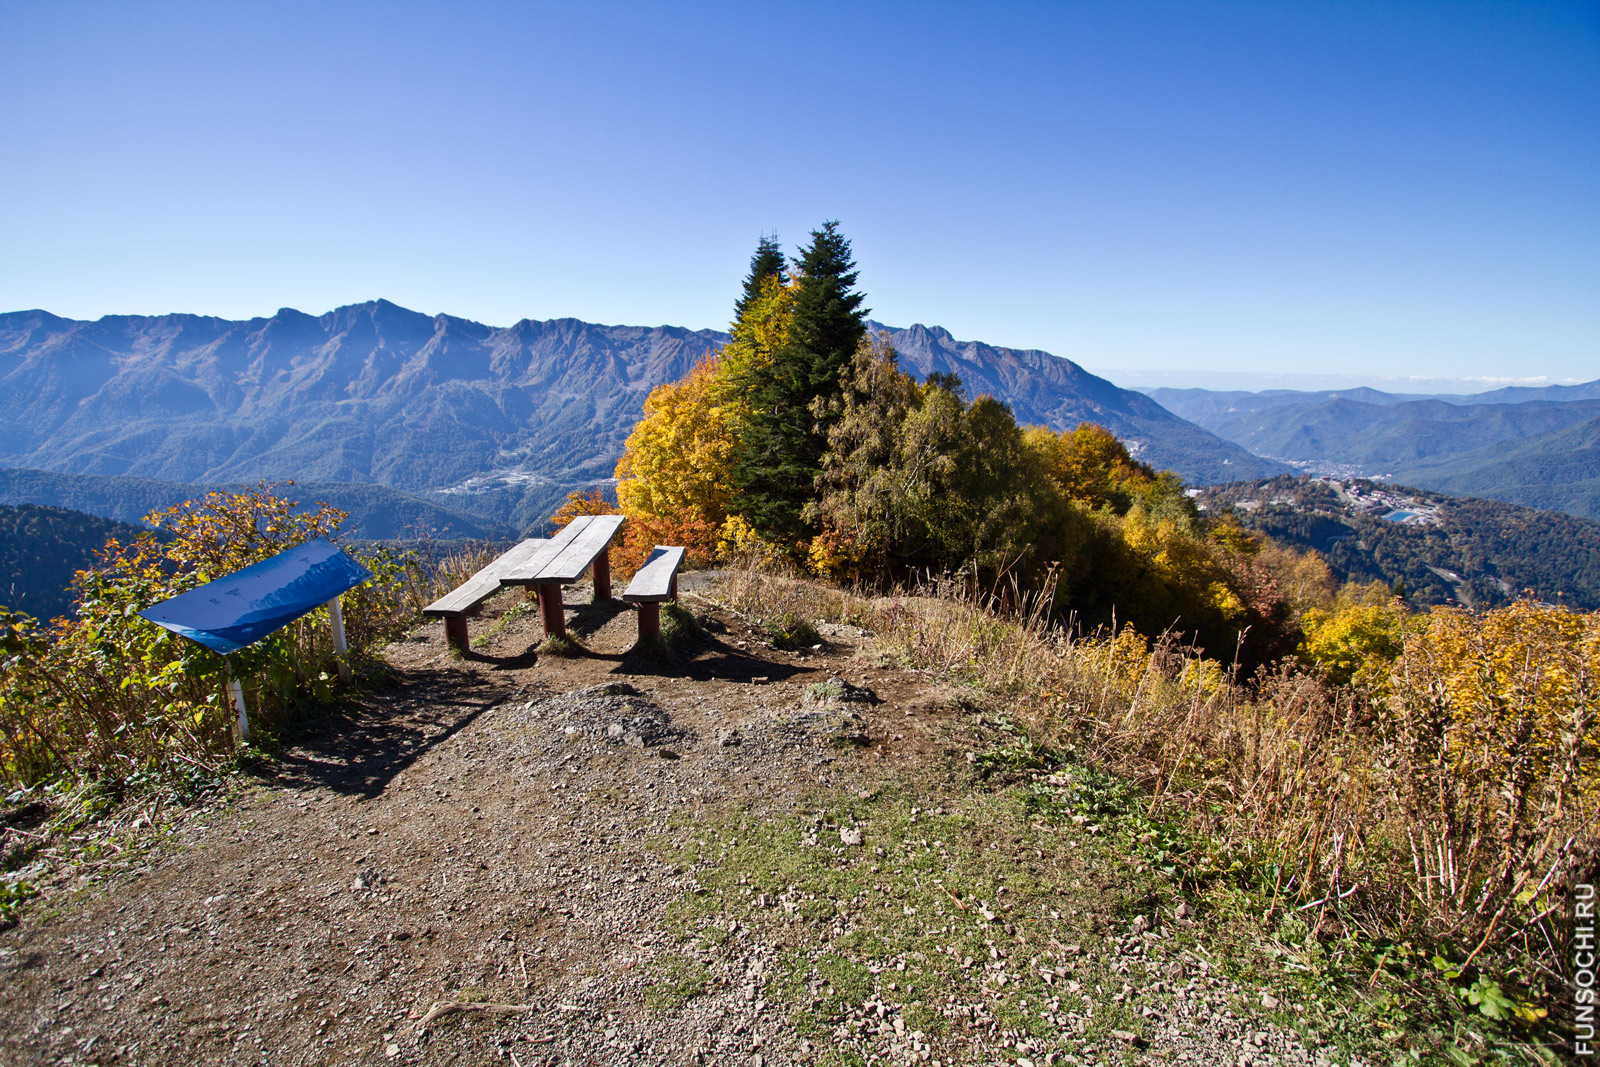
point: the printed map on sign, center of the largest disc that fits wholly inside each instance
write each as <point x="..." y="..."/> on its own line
<point x="247" y="605"/>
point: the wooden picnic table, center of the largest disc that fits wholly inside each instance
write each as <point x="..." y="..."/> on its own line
<point x="464" y="599"/>
<point x="584" y="543"/>
<point x="546" y="564"/>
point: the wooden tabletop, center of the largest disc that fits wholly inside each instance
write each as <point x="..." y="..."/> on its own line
<point x="568" y="554"/>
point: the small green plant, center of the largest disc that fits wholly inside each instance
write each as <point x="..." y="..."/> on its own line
<point x="788" y="630"/>
<point x="679" y="979"/>
<point x="12" y="894"/>
<point x="678" y="625"/>
<point x="1485" y="994"/>
<point x="562" y="645"/>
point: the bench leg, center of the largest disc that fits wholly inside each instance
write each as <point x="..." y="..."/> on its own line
<point x="602" y="576"/>
<point x="672" y="587"/>
<point x="551" y="608"/>
<point x="455" y="632"/>
<point x="649" y="621"/>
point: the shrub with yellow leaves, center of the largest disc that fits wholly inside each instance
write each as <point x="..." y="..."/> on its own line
<point x="107" y="695"/>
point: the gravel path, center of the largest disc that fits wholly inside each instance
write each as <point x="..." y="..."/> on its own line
<point x="478" y="842"/>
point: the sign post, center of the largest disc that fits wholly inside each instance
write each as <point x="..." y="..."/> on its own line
<point x="236" y="691"/>
<point x="336" y="617"/>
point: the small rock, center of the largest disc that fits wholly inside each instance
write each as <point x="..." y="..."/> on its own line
<point x="1140" y="925"/>
<point x="1184" y="911"/>
<point x="850" y="836"/>
<point x="730" y="738"/>
<point x="616" y="729"/>
<point x="1269" y="1001"/>
<point x="391" y="1050"/>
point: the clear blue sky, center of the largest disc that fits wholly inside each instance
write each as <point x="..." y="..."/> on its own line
<point x="1156" y="189"/>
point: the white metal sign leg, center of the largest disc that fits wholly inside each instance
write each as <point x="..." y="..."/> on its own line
<point x="337" y="618"/>
<point x="236" y="691"/>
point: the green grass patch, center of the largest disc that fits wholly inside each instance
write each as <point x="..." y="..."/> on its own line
<point x="970" y="918"/>
<point x="790" y="630"/>
<point x="676" y="980"/>
<point x="562" y="646"/>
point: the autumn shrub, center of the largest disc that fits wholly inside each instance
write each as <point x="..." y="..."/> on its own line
<point x="107" y="695"/>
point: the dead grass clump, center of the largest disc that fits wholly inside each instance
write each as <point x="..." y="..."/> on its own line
<point x="785" y="606"/>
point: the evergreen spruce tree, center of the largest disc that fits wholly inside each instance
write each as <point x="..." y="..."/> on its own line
<point x="766" y="263"/>
<point x="780" y="450"/>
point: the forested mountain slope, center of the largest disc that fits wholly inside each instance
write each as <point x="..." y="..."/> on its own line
<point x="1440" y="549"/>
<point x="376" y="512"/>
<point x="41" y="548"/>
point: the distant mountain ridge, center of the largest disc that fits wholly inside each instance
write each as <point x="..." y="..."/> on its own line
<point x="1537" y="447"/>
<point x="1051" y="391"/>
<point x="496" y="421"/>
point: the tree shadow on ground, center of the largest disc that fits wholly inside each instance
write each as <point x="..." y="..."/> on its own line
<point x="362" y="743"/>
<point x="586" y="620"/>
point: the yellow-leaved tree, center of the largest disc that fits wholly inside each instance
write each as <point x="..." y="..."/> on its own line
<point x="1355" y="641"/>
<point x="672" y="480"/>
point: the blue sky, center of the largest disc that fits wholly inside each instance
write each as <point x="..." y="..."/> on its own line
<point x="1174" y="193"/>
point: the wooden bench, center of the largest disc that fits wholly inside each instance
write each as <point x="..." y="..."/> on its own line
<point x="465" y="600"/>
<point x="656" y="581"/>
<point x="584" y="543"/>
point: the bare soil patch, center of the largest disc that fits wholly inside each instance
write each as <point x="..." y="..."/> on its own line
<point x="482" y="860"/>
<point x="477" y="831"/>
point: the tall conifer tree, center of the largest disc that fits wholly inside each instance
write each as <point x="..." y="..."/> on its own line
<point x="780" y="449"/>
<point x="767" y="262"/>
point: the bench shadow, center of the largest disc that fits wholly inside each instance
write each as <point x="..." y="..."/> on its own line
<point x="361" y="744"/>
<point x="521" y="661"/>
<point x="586" y="620"/>
<point x="705" y="657"/>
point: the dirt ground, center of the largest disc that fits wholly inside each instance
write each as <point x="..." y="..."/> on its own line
<point x="476" y="831"/>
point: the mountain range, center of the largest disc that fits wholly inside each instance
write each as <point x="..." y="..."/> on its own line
<point x="499" y="423"/>
<point x="1534" y="446"/>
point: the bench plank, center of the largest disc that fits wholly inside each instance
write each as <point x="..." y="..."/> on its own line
<point x="470" y="593"/>
<point x="653" y="582"/>
<point x="564" y="565"/>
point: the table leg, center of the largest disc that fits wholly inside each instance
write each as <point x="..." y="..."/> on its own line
<point x="602" y="576"/>
<point x="550" y="606"/>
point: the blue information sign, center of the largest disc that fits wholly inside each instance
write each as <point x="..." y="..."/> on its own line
<point x="247" y="605"/>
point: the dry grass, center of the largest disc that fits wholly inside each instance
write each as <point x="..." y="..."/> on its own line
<point x="1422" y="809"/>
